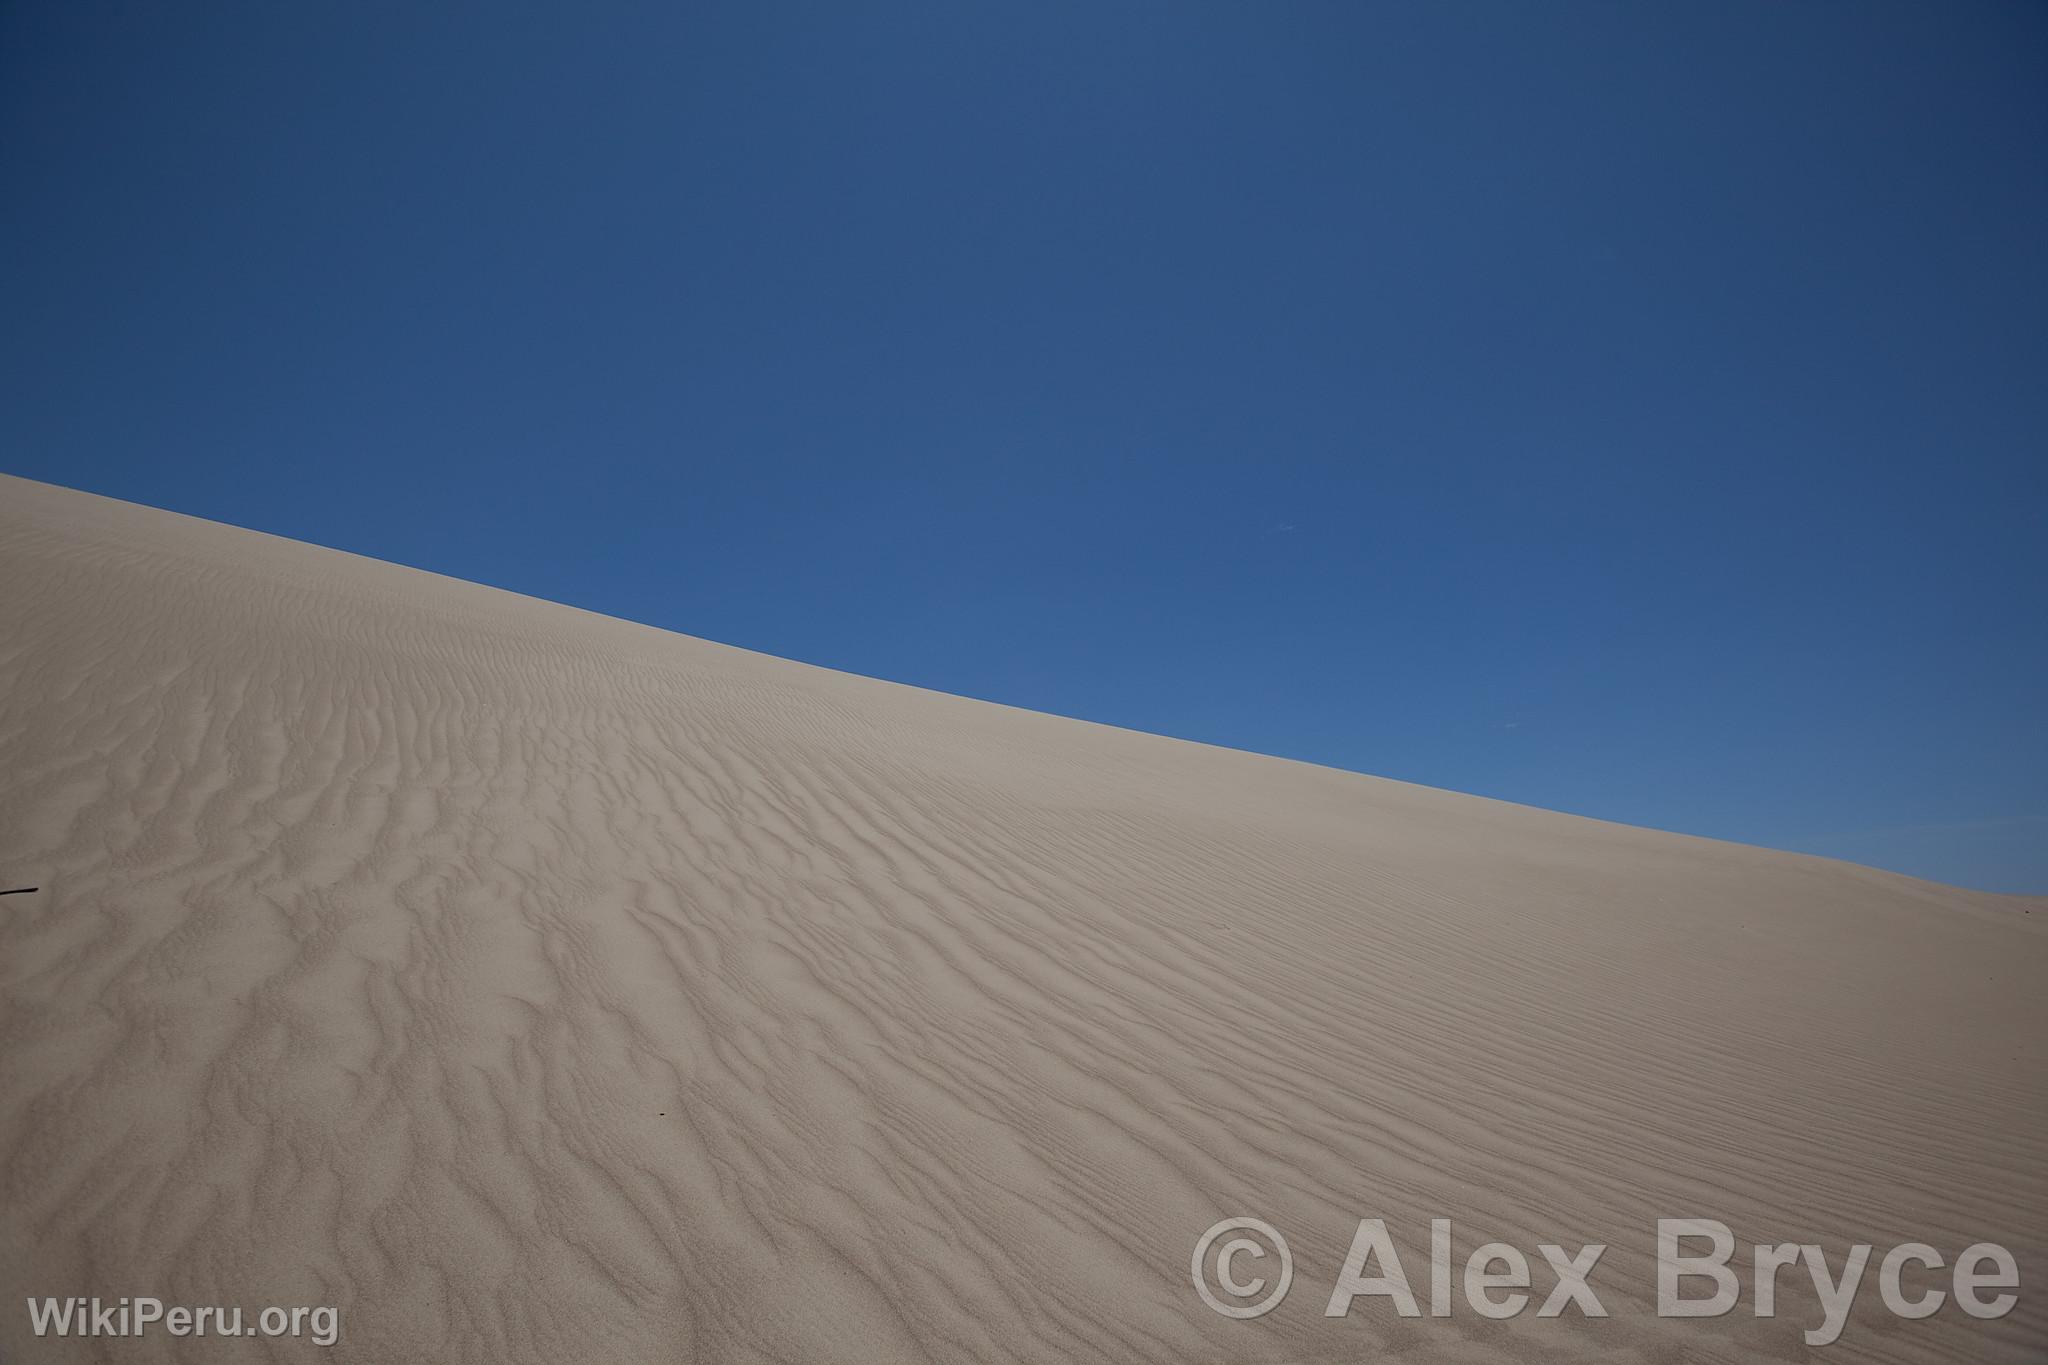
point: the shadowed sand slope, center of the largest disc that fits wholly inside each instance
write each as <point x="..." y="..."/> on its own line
<point x="535" y="986"/>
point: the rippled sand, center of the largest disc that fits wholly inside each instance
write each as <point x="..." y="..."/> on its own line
<point x="535" y="986"/>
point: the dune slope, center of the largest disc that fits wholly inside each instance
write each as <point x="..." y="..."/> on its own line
<point x="534" y="986"/>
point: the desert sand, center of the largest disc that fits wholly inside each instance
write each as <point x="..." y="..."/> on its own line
<point x="537" y="986"/>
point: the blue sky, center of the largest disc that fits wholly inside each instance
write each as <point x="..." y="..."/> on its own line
<point x="1638" y="410"/>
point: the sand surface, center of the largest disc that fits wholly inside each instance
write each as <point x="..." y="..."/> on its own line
<point x="535" y="986"/>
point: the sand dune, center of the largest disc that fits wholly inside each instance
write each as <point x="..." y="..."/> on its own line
<point x="534" y="986"/>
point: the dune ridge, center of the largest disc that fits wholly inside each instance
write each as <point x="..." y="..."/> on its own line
<point x="537" y="986"/>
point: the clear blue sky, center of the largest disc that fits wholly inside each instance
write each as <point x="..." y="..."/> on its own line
<point x="1633" y="409"/>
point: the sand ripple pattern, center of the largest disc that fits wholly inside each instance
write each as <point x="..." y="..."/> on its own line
<point x="538" y="987"/>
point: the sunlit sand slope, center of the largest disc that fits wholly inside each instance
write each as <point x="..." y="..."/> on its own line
<point x="534" y="986"/>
